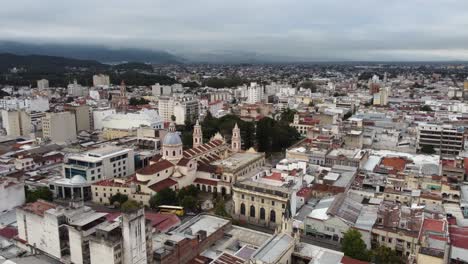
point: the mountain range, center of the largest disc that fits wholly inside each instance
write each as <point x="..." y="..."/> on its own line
<point x="90" y="52"/>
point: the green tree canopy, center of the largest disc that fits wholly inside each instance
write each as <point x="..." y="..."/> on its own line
<point x="189" y="203"/>
<point x="273" y="136"/>
<point x="164" y="197"/>
<point x="287" y="116"/>
<point x="353" y="246"/>
<point x="385" y="255"/>
<point x="42" y="193"/>
<point x="428" y="149"/>
<point x="118" y="198"/>
<point x="220" y="208"/>
<point x="129" y="206"/>
<point x="426" y="108"/>
<point x="138" y="101"/>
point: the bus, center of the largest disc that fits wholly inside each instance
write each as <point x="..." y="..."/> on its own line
<point x="171" y="209"/>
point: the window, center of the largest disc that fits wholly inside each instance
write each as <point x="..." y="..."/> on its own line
<point x="242" y="209"/>
<point x="389" y="240"/>
<point x="263" y="200"/>
<point x="252" y="211"/>
<point x="273" y="203"/>
<point x="283" y="206"/>
<point x="242" y="196"/>
<point x="262" y="213"/>
<point x="252" y="198"/>
<point x="272" y="216"/>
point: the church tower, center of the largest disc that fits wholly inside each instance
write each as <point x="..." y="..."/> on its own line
<point x="123" y="102"/>
<point x="197" y="135"/>
<point x="236" y="139"/>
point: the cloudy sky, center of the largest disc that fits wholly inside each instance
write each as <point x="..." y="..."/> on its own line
<point x="304" y="29"/>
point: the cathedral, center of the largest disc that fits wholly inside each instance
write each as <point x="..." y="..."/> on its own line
<point x="176" y="168"/>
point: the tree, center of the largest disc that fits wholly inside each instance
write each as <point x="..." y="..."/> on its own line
<point x="220" y="208"/>
<point x="136" y="101"/>
<point x="428" y="149"/>
<point x="187" y="191"/>
<point x="189" y="203"/>
<point x="118" y="199"/>
<point x="309" y="85"/>
<point x="129" y="206"/>
<point x="426" y="108"/>
<point x="353" y="246"/>
<point x="164" y="197"/>
<point x="347" y="115"/>
<point x="42" y="193"/>
<point x="173" y="118"/>
<point x="287" y="116"/>
<point x="385" y="255"/>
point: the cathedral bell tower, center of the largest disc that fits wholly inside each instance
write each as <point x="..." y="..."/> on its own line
<point x="197" y="135"/>
<point x="236" y="139"/>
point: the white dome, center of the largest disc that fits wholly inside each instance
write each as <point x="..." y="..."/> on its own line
<point x="77" y="179"/>
<point x="172" y="138"/>
<point x="144" y="117"/>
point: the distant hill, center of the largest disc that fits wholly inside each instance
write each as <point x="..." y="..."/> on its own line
<point x="45" y="64"/>
<point x="133" y="66"/>
<point x="90" y="52"/>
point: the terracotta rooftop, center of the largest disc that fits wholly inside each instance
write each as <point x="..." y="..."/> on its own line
<point x="398" y="164"/>
<point x="304" y="192"/>
<point x="276" y="176"/>
<point x="114" y="182"/>
<point x="8" y="232"/>
<point x="161" y="185"/>
<point x="206" y="181"/>
<point x="155" y="168"/>
<point x="39" y="207"/>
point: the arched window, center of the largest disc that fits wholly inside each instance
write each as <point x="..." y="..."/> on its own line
<point x="262" y="213"/>
<point x="252" y="211"/>
<point x="242" y="212"/>
<point x="272" y="216"/>
<point x="173" y="153"/>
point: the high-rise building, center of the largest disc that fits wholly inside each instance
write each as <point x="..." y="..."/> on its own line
<point x="42" y="84"/>
<point x="16" y="123"/>
<point x="444" y="139"/>
<point x="76" y="90"/>
<point x="59" y="127"/>
<point x="82" y="116"/>
<point x="254" y="93"/>
<point x="101" y="80"/>
<point x="134" y="237"/>
<point x="181" y="108"/>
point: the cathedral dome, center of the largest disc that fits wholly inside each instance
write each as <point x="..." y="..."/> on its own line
<point x="172" y="138"/>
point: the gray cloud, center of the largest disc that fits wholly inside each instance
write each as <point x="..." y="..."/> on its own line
<point x="303" y="29"/>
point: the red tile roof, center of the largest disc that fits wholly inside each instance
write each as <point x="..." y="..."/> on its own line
<point x="434" y="226"/>
<point x="183" y="162"/>
<point x="459" y="236"/>
<point x="39" y="207"/>
<point x="348" y="260"/>
<point x="161" y="185"/>
<point x="276" y="176"/>
<point x="8" y="232"/>
<point x="304" y="192"/>
<point x="155" y="168"/>
<point x="206" y="181"/>
<point x="398" y="164"/>
<point x="162" y="222"/>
